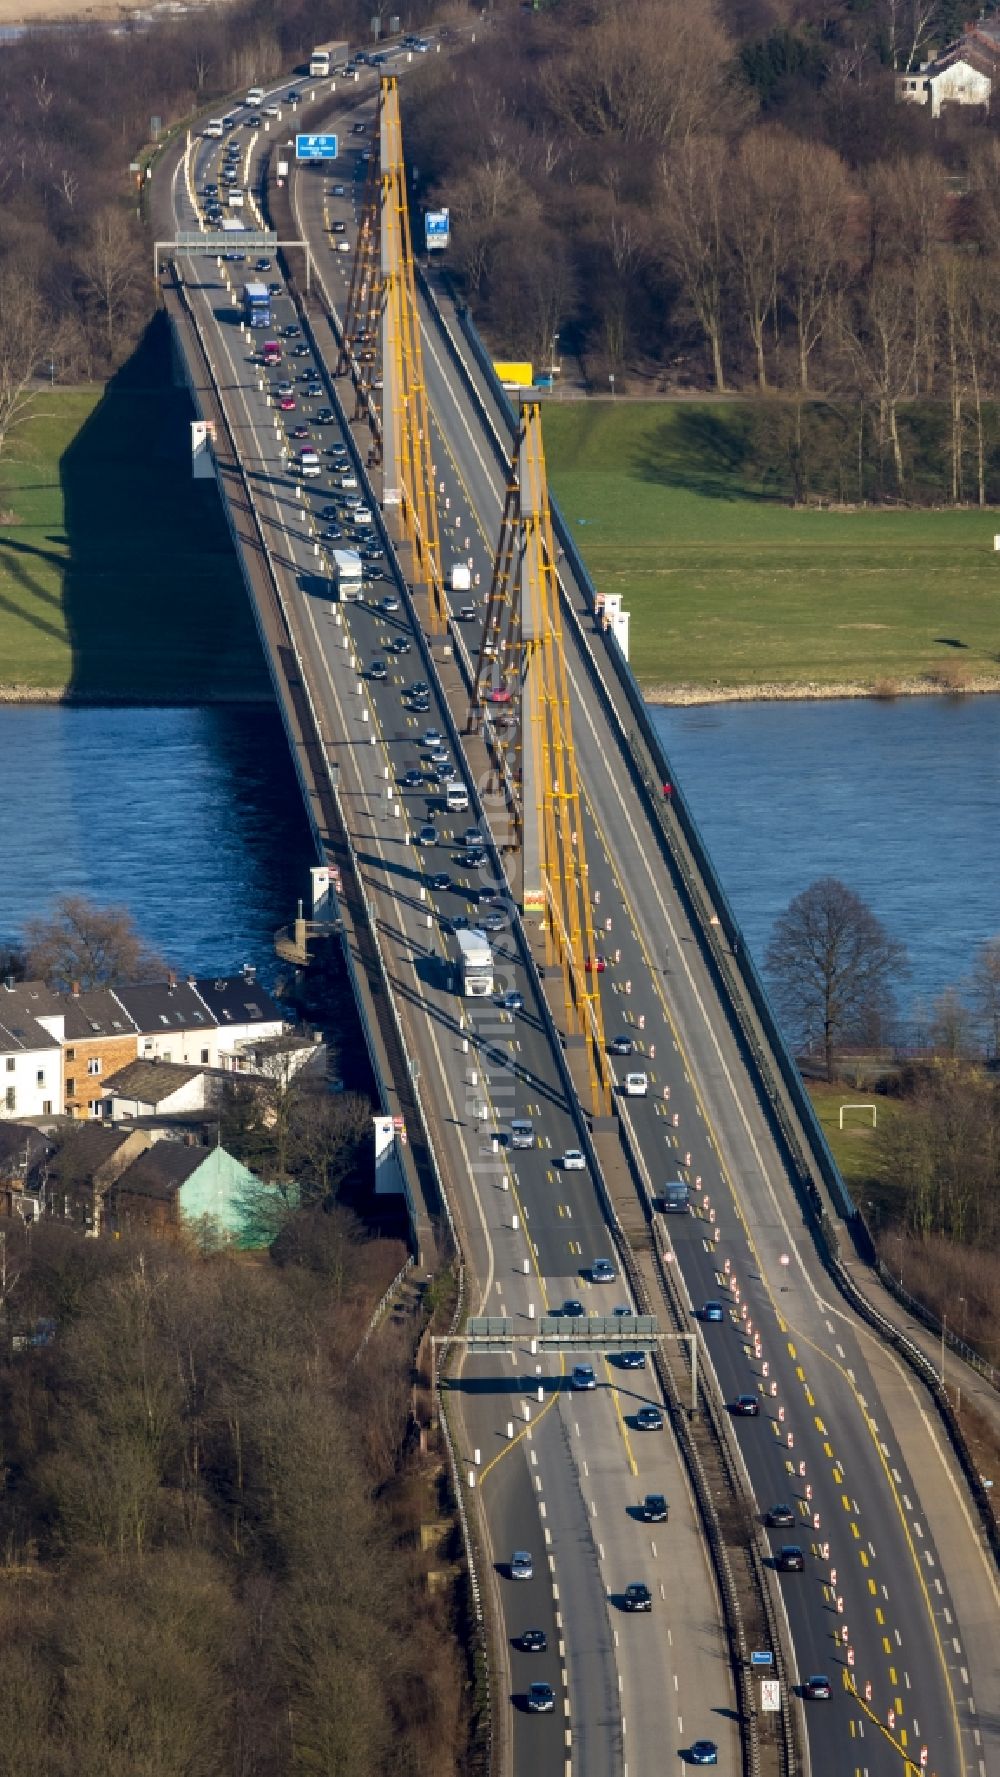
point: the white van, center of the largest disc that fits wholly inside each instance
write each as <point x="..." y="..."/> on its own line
<point x="213" y="127"/>
<point x="456" y="798"/>
<point x="309" y="463"/>
<point x="255" y="96"/>
<point x="234" y="198"/>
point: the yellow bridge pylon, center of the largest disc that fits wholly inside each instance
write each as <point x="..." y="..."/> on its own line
<point x="382" y="333"/>
<point x="520" y="700"/>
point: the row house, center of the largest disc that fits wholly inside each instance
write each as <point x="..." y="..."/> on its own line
<point x="56" y="1049"/>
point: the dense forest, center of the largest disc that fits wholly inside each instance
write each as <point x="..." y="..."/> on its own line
<point x="210" y="1517"/>
<point x="728" y="198"/>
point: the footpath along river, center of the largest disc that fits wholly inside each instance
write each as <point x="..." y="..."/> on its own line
<point x="191" y="817"/>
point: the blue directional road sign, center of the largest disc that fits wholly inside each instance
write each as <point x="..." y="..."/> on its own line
<point x="437" y="230"/>
<point x="315" y="147"/>
<point x="761" y="1657"/>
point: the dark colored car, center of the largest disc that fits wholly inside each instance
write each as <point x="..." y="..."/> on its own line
<point x="637" y="1597"/>
<point x="649" y="1419"/>
<point x="572" y="1310"/>
<point x="713" y="1311"/>
<point x="541" y="1699"/>
<point x="621" y="1046"/>
<point x="440" y="882"/>
<point x="291" y="331"/>
<point x="412" y="780"/>
<point x="378" y="670"/>
<point x="791" y="1559"/>
<point x="780" y="1517"/>
<point x="263" y="265"/>
<point x="745" y="1406"/>
<point x="633" y="1360"/>
<point x="817" y="1686"/>
<point x="703" y="1752"/>
<point x="533" y="1641"/>
<point x="655" y="1509"/>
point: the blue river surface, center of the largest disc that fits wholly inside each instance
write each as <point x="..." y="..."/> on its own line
<point x="192" y="819"/>
<point x="901" y="800"/>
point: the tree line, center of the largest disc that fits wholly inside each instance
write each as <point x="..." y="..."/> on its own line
<point x="686" y="205"/>
<point x="210" y="1519"/>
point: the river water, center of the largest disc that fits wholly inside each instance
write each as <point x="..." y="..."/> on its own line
<point x="900" y="800"/>
<point x="192" y="819"/>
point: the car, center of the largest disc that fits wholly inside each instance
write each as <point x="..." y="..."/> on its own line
<point x="573" y="1161"/>
<point x="636" y="1085"/>
<point x="292" y="331"/>
<point x="313" y="388"/>
<point x="541" y="1698"/>
<point x="427" y="835"/>
<point x="420" y="688"/>
<point x="500" y="694"/>
<point x="420" y="705"/>
<point x="595" y="965"/>
<point x="284" y="387"/>
<point x="372" y="552"/>
<point x="439" y="756"/>
<point x="475" y="859"/>
<point x="572" y="1309"/>
<point x="303" y="351"/>
<point x="817" y="1685"/>
<point x="292" y="98"/>
<point x="495" y="922"/>
<point x="299" y="432"/>
<point x="649" y="1419"/>
<point x="583" y="1376"/>
<point x="378" y="670"/>
<point x="636" y="1596"/>
<point x="745" y="1406"/>
<point x="522" y="1132"/>
<point x="325" y="414"/>
<point x="466" y="613"/>
<point x="633" y="1360"/>
<point x="340" y="228"/>
<point x="263" y="265"/>
<point x="361" y="515"/>
<point x="272" y="110"/>
<point x="337" y="191"/>
<point x="440" y="883"/>
<point x="253" y="121"/>
<point x="513" y="1001"/>
<point x="389" y="603"/>
<point x="521" y="1565"/>
<point x="329" y="513"/>
<point x="332" y="534"/>
<point x="602" y="1271"/>
<point x="348" y="480"/>
<point x="432" y="737"/>
<point x="532" y="1641"/>
<point x="359" y="129"/>
<point x="654" y="1509"/>
<point x="274" y="289"/>
<point x="780" y="1516"/>
<point x="288" y="404"/>
<point x="790" y="1559"/>
<point x="411" y="780"/>
<point x="621" y="1046"/>
<point x="343" y="247"/>
<point x="713" y="1311"/>
<point x="703" y="1752"/>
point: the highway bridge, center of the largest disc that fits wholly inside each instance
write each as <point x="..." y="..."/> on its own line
<point x="896" y="1602"/>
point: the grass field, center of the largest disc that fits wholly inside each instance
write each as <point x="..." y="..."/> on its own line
<point x="117" y="576"/>
<point x="728" y="588"/>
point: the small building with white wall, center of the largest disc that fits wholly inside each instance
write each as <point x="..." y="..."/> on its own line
<point x="958" y="78"/>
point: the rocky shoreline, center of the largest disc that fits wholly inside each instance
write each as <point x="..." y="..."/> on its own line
<point x="886" y="691"/>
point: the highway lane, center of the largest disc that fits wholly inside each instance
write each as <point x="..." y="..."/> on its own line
<point x="386" y="855"/>
<point x="880" y="1651"/>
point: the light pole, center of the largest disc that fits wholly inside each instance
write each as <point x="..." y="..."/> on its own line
<point x="965" y="1308"/>
<point x="944" y="1337"/>
<point x="611" y="380"/>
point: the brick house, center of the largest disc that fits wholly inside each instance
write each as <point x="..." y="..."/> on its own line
<point x="100" y="1038"/>
<point x="174" y="1186"/>
<point x="87" y="1163"/>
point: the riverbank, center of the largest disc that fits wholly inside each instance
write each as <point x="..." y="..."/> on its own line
<point x="691" y="696"/>
<point x="734" y="594"/>
<point x="118" y="581"/>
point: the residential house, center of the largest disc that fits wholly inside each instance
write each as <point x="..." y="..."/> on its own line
<point x="161" y="1089"/>
<point x="173" y="1186"/>
<point x="960" y="77"/>
<point x="100" y="1038"/>
<point x="244" y="1017"/>
<point x="30" y="1059"/>
<point x="172" y="1019"/>
<point x="89" y="1160"/>
<point x="25" y="1155"/>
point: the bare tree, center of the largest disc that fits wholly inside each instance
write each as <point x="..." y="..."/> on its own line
<point x="109" y="269"/>
<point x="817" y="199"/>
<point x="90" y="945"/>
<point x="985" y="988"/>
<point x="22" y="340"/>
<point x="878" y="331"/>
<point x="833" y="966"/>
<point x="754" y="230"/>
<point x="695" y="180"/>
<point x="329" y="1133"/>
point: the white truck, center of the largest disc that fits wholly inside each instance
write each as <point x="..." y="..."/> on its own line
<point x="348" y="574"/>
<point x="460" y="577"/>
<point x="475" y="965"/>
